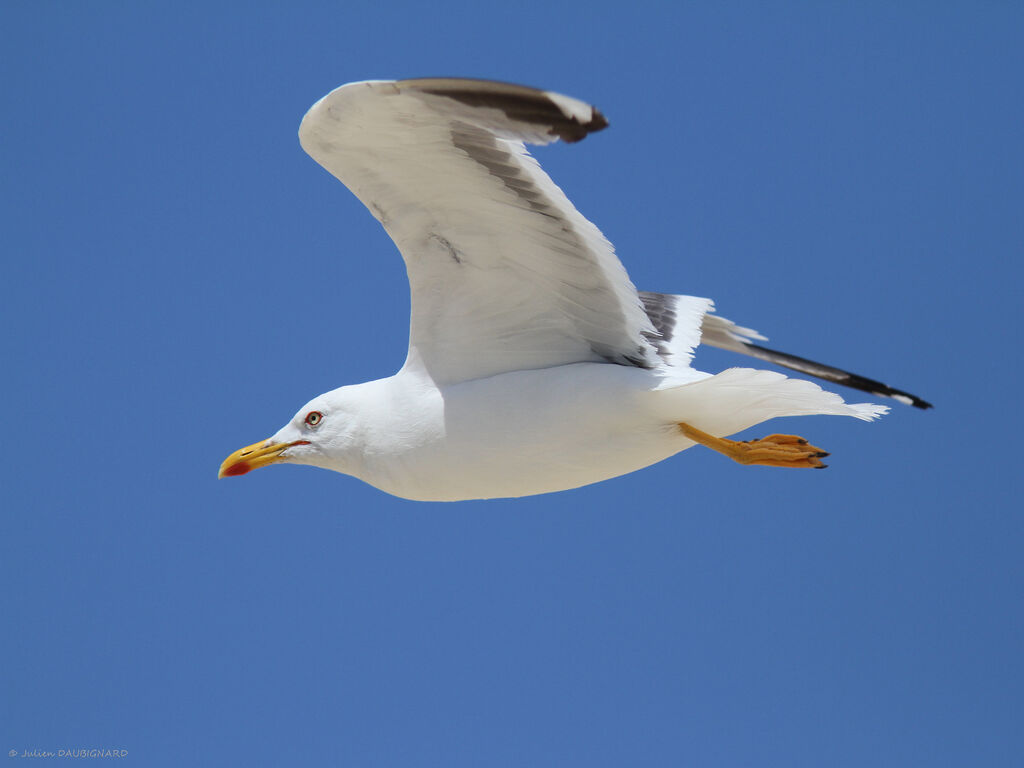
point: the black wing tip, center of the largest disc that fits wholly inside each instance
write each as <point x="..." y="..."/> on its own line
<point x="909" y="399"/>
<point x="518" y="102"/>
<point x="884" y="390"/>
<point x="836" y="375"/>
<point x="578" y="131"/>
<point x="855" y="381"/>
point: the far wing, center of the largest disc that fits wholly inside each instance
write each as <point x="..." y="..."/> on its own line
<point x="504" y="273"/>
<point x="718" y="332"/>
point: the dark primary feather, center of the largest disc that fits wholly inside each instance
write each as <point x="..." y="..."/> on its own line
<point x="830" y="373"/>
<point x="518" y="102"/>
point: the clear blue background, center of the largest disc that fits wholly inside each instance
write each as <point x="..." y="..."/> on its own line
<point x="178" y="277"/>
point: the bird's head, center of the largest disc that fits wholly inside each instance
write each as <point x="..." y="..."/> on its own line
<point x="318" y="434"/>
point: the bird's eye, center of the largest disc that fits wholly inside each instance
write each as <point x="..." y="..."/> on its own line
<point x="313" y="418"/>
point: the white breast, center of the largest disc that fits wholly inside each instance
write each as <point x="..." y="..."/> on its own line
<point x="516" y="434"/>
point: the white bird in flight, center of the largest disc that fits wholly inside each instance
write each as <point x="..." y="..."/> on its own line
<point x="534" y="364"/>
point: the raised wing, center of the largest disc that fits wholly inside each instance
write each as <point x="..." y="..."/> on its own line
<point x="505" y="274"/>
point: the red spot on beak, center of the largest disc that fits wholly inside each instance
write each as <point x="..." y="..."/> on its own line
<point x="238" y="468"/>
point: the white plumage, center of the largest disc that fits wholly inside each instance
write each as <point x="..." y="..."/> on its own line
<point x="534" y="365"/>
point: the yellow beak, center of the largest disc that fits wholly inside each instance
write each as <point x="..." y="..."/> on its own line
<point x="254" y="456"/>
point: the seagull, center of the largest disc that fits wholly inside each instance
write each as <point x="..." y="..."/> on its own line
<point x="534" y="364"/>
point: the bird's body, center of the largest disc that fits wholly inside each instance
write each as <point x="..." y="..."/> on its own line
<point x="538" y="431"/>
<point x="513" y="434"/>
<point x="534" y="364"/>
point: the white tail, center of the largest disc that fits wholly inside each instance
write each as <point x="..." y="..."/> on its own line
<point x="739" y="398"/>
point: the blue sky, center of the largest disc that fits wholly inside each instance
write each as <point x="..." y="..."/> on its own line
<point x="178" y="278"/>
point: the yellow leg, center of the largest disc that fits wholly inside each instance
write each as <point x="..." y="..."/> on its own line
<point x="771" y="451"/>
